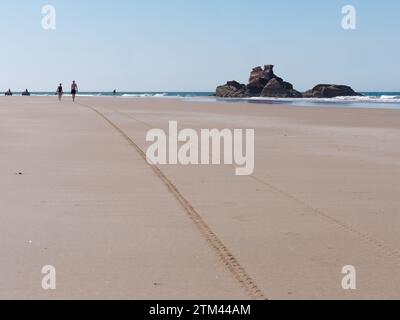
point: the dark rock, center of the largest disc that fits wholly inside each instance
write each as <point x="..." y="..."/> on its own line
<point x="232" y="89"/>
<point x="274" y="84"/>
<point x="279" y="89"/>
<point x="256" y="74"/>
<point x="288" y="85"/>
<point x="269" y="73"/>
<point x="263" y="75"/>
<point x="330" y="91"/>
<point x="259" y="77"/>
<point x="264" y="82"/>
<point x="235" y="84"/>
<point x="255" y="87"/>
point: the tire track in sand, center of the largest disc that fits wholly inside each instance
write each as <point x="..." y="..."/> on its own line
<point x="362" y="236"/>
<point x="226" y="257"/>
<point x="365" y="237"/>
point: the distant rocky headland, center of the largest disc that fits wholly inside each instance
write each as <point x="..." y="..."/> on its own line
<point x="264" y="83"/>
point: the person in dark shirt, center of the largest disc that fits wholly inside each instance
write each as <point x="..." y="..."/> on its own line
<point x="74" y="90"/>
<point x="60" y="92"/>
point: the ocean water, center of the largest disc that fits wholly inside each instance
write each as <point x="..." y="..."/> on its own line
<point x="372" y="100"/>
<point x="379" y="100"/>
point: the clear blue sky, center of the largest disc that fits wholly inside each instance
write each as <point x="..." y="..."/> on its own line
<point x="194" y="45"/>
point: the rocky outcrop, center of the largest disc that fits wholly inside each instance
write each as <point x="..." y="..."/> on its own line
<point x="232" y="89"/>
<point x="330" y="91"/>
<point x="262" y="83"/>
<point x="264" y="80"/>
<point x="280" y="89"/>
<point x="254" y="88"/>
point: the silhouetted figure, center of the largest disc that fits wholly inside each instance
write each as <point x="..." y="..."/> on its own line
<point x="114" y="93"/>
<point x="74" y="90"/>
<point x="26" y="93"/>
<point x="9" y="93"/>
<point x="60" y="92"/>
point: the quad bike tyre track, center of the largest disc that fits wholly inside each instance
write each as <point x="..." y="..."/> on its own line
<point x="226" y="257"/>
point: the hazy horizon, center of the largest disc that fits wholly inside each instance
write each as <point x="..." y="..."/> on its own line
<point x="194" y="46"/>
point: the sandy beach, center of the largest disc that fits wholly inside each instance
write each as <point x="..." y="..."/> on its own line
<point x="77" y="194"/>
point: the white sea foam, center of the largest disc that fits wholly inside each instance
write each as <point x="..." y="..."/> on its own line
<point x="370" y="99"/>
<point x="387" y="97"/>
<point x="144" y="95"/>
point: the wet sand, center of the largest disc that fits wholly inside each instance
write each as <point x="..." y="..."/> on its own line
<point x="77" y="194"/>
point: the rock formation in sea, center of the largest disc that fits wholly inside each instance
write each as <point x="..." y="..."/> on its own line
<point x="330" y="91"/>
<point x="264" y="83"/>
<point x="232" y="89"/>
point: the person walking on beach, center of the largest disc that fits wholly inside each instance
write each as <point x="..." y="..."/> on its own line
<point x="74" y="90"/>
<point x="60" y="92"/>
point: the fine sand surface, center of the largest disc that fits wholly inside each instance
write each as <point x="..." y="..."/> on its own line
<point x="325" y="194"/>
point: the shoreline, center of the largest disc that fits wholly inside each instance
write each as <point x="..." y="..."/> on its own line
<point x="313" y="103"/>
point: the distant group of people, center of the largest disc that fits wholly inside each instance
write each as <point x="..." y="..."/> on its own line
<point x="25" y="93"/>
<point x="59" y="92"/>
<point x="74" y="91"/>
